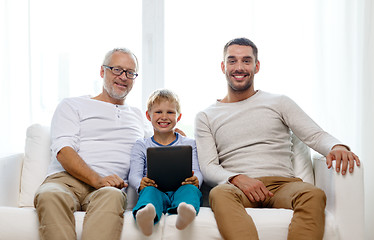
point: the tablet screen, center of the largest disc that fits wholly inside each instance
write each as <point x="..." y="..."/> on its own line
<point x="169" y="166"/>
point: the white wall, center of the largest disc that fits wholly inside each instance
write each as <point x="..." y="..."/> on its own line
<point x="367" y="123"/>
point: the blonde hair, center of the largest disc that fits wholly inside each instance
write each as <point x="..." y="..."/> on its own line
<point x="163" y="94"/>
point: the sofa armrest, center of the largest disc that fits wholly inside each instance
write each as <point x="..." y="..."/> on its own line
<point x="345" y="197"/>
<point x="10" y="179"/>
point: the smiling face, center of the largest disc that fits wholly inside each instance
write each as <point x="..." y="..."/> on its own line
<point x="115" y="87"/>
<point x="240" y="66"/>
<point x="163" y="116"/>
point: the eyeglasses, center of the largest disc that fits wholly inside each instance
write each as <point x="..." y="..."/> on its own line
<point x="118" y="72"/>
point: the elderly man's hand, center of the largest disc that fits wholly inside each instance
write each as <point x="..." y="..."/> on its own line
<point x="110" y="181"/>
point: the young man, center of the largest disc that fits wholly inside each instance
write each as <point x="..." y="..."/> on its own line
<point x="164" y="113"/>
<point x="244" y="149"/>
<point x="92" y="139"/>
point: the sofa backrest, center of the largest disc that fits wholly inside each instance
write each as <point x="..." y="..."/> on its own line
<point x="35" y="163"/>
<point x="37" y="158"/>
<point x="302" y="160"/>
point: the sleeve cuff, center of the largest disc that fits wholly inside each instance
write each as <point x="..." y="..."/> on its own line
<point x="228" y="181"/>
<point x="343" y="145"/>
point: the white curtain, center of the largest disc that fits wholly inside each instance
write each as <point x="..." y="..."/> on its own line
<point x="14" y="74"/>
<point x="339" y="77"/>
<point x="346" y="82"/>
<point x="367" y="115"/>
<point x="53" y="49"/>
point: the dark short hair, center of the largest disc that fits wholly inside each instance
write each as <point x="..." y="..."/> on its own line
<point x="241" y="42"/>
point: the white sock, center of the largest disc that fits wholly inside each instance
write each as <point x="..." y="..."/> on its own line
<point x="186" y="214"/>
<point x="145" y="219"/>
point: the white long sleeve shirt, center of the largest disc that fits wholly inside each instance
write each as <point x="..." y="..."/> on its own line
<point x="252" y="137"/>
<point x="101" y="133"/>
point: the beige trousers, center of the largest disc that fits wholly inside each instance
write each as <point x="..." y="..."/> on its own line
<point x="61" y="195"/>
<point x="307" y="201"/>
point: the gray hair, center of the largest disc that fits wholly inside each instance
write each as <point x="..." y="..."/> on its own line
<point x="108" y="56"/>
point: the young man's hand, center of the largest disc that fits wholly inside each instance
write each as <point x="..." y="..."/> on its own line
<point x="345" y="159"/>
<point x="147" y="182"/>
<point x="254" y="189"/>
<point x="191" y="180"/>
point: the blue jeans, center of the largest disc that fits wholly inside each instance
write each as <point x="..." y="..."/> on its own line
<point x="168" y="202"/>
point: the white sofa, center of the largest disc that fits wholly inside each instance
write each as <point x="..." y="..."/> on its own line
<point x="21" y="174"/>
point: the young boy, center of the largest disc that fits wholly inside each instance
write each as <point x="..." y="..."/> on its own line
<point x="164" y="113"/>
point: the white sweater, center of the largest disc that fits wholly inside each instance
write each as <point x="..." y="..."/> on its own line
<point x="253" y="137"/>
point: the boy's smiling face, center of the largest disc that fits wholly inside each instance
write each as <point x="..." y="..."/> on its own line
<point x="163" y="116"/>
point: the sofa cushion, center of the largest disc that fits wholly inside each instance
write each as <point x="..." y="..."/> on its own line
<point x="22" y="223"/>
<point x="271" y="224"/>
<point x="35" y="164"/>
<point x="301" y="160"/>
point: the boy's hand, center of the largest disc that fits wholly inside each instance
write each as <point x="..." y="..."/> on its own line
<point x="192" y="180"/>
<point x="146" y="182"/>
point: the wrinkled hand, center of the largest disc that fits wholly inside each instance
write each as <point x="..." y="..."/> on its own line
<point x="192" y="180"/>
<point x="254" y="189"/>
<point x="110" y="181"/>
<point x="344" y="159"/>
<point x="146" y="182"/>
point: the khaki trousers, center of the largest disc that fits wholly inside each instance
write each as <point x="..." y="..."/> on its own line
<point x="307" y="201"/>
<point x="61" y="195"/>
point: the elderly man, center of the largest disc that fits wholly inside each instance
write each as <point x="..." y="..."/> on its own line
<point x="91" y="142"/>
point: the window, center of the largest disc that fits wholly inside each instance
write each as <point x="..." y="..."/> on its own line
<point x="196" y="32"/>
<point x="51" y="50"/>
<point x="54" y="49"/>
<point x="68" y="42"/>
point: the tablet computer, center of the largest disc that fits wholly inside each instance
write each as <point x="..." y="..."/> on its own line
<point x="169" y="166"/>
